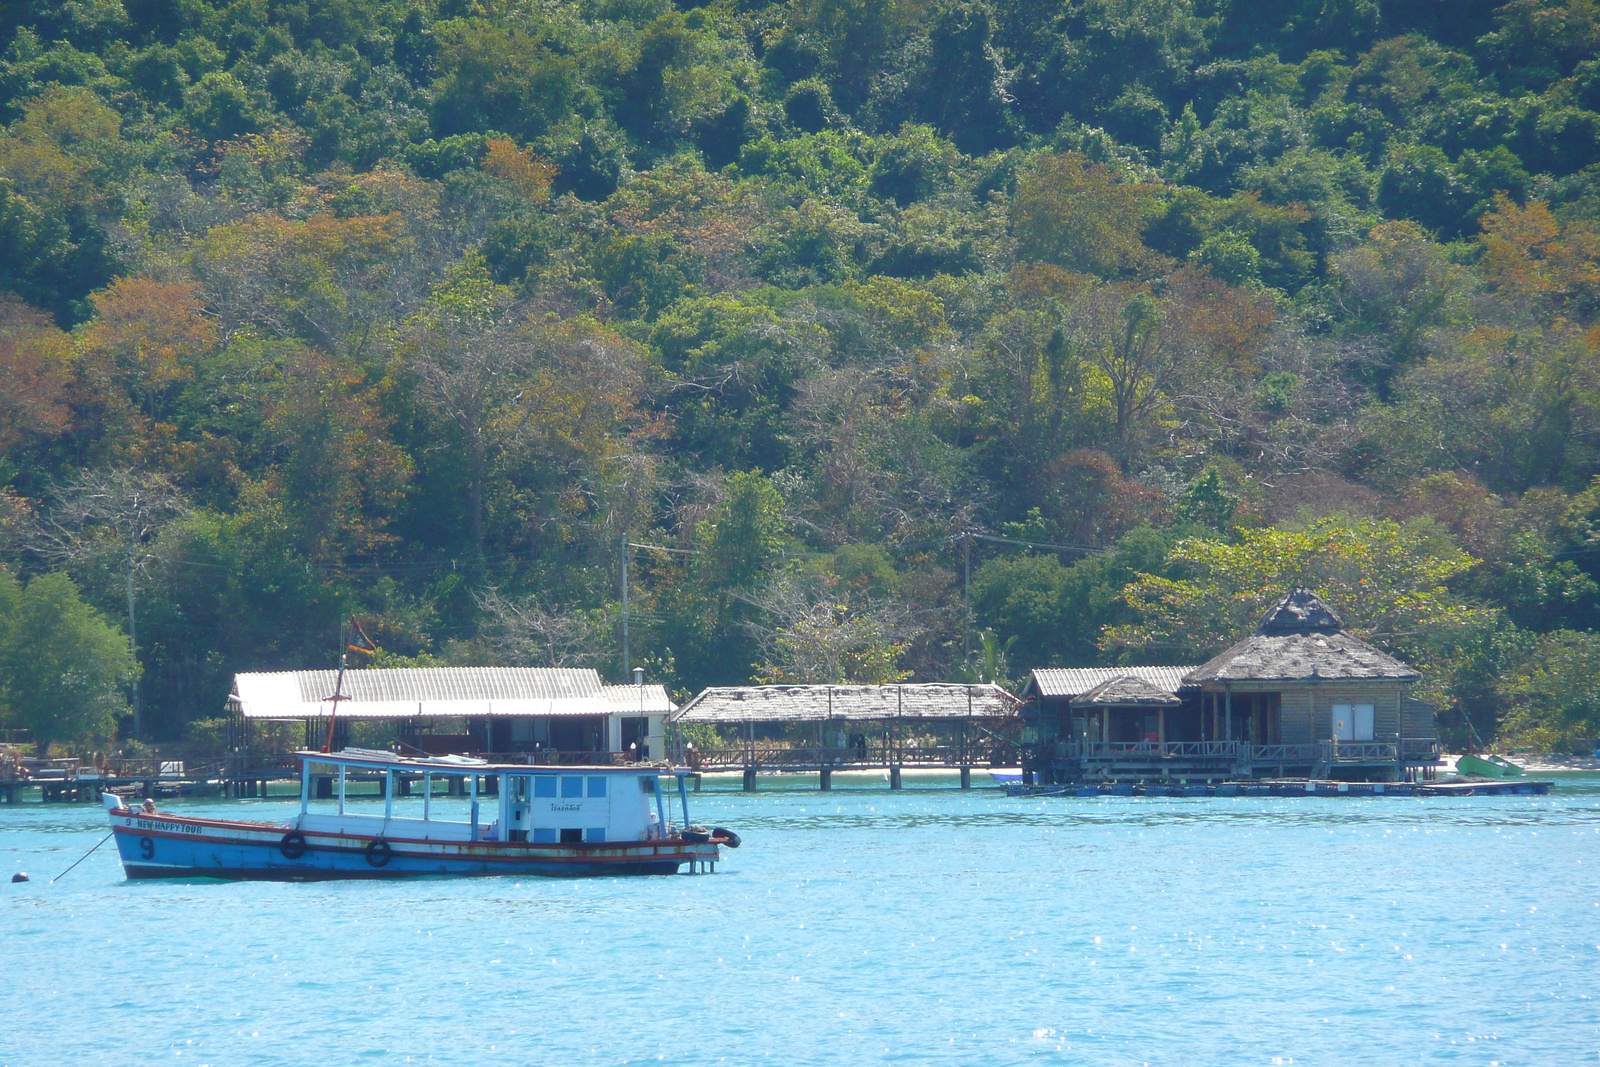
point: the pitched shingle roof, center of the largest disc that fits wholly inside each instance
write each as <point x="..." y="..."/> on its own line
<point x="1075" y="681"/>
<point x="1126" y="690"/>
<point x="846" y="703"/>
<point x="1301" y="639"/>
<point x="1300" y="612"/>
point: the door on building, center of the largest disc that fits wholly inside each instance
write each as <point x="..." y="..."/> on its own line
<point x="578" y="733"/>
<point x="636" y="731"/>
<point x="1353" y="722"/>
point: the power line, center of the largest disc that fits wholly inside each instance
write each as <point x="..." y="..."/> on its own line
<point x="1088" y="549"/>
<point x="664" y="548"/>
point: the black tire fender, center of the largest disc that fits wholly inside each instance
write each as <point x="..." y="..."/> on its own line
<point x="293" y="845"/>
<point x="378" y="852"/>
<point x="695" y="835"/>
<point x="729" y="838"/>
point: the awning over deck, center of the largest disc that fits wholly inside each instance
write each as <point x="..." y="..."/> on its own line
<point x="1069" y="682"/>
<point x="639" y="700"/>
<point x="847" y="703"/>
<point x="1126" y="691"/>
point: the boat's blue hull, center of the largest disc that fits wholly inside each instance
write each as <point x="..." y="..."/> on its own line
<point x="174" y="847"/>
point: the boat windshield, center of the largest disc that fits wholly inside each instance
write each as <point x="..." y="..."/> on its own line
<point x="445" y="793"/>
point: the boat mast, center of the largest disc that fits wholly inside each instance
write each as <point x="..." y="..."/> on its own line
<point x="345" y="648"/>
<point x="338" y="685"/>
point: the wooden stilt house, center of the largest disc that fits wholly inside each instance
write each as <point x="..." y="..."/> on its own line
<point x="1299" y="697"/>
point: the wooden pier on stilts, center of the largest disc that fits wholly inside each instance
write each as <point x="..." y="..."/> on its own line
<point x="826" y="729"/>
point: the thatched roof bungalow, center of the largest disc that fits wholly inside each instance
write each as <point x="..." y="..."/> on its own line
<point x="1298" y="696"/>
<point x="1301" y="679"/>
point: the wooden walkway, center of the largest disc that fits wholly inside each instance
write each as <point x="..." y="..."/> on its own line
<point x="87" y="790"/>
<point x="753" y="759"/>
<point x="1483" y="788"/>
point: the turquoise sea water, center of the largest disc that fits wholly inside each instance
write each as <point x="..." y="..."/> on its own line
<point x="856" y="927"/>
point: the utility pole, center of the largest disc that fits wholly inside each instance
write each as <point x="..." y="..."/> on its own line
<point x="627" y="664"/>
<point x="133" y="644"/>
<point x="966" y="597"/>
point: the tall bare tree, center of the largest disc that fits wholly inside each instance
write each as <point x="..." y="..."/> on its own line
<point x="814" y="631"/>
<point x="461" y="352"/>
<point x="105" y="515"/>
<point x="522" y="632"/>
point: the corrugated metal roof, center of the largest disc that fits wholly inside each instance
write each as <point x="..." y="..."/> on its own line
<point x="846" y="703"/>
<point x="639" y="699"/>
<point x="422" y="692"/>
<point x="1301" y="657"/>
<point x="1126" y="690"/>
<point x="1076" y="681"/>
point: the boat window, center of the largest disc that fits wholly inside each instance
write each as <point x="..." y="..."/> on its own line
<point x="571" y="787"/>
<point x="544" y="785"/>
<point x="597" y="786"/>
<point x="596" y="834"/>
<point x="572" y="837"/>
<point x="647" y="785"/>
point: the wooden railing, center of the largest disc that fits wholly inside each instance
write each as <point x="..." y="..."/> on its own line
<point x="1311" y="753"/>
<point x="1415" y="749"/>
<point x="871" y="755"/>
<point x="1361" y="751"/>
<point x="1111" y="750"/>
<point x="1421" y="749"/>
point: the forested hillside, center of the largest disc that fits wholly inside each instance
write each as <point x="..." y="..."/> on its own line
<point x="1137" y="310"/>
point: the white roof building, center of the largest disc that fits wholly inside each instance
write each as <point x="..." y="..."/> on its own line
<point x="441" y="692"/>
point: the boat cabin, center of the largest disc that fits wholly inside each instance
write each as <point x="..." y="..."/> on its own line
<point x="454" y="798"/>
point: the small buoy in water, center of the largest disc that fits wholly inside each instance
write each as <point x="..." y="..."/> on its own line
<point x="20" y="876"/>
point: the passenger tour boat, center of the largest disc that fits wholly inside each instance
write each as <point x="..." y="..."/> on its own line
<point x="520" y="819"/>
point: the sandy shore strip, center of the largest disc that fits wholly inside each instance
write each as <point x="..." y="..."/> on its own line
<point x="1535" y="763"/>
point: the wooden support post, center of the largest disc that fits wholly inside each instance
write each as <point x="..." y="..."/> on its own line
<point x="827" y="778"/>
<point x="966" y="777"/>
<point x="749" y="779"/>
<point x="894" y="776"/>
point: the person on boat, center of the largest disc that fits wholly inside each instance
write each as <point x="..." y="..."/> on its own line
<point x="149" y="807"/>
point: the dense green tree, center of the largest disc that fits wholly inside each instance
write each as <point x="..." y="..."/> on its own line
<point x="62" y="665"/>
